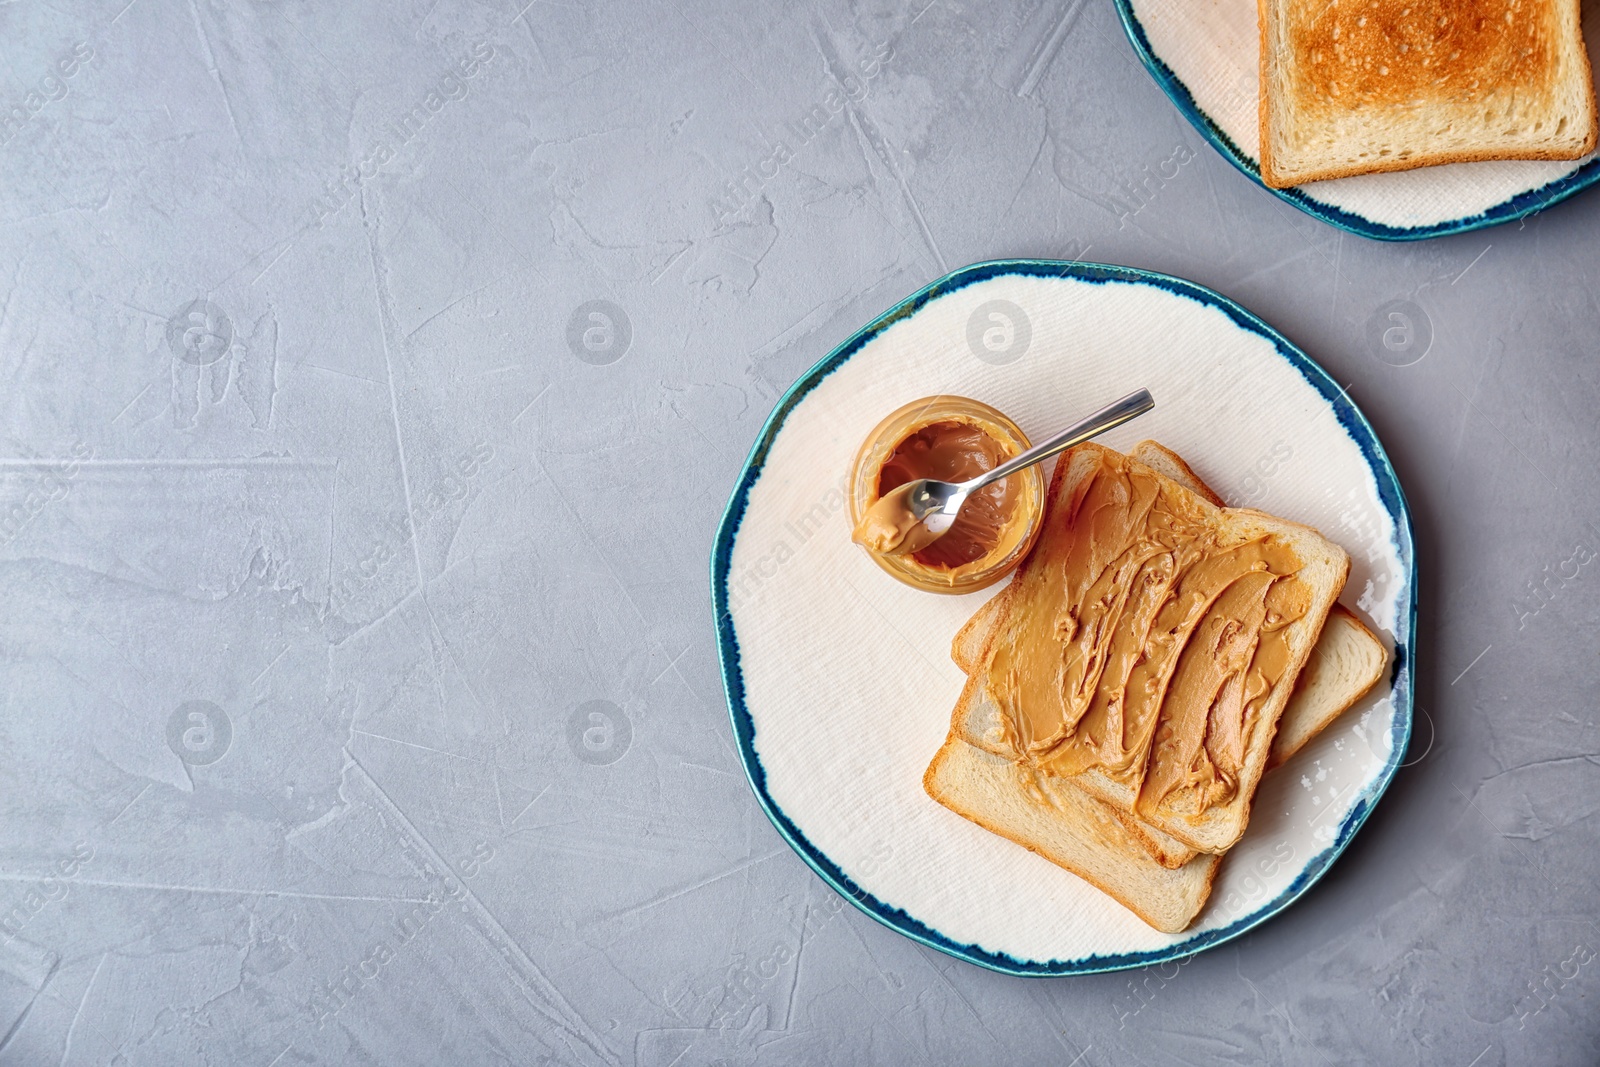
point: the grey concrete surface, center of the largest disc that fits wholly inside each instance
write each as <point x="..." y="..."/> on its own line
<point x="360" y="698"/>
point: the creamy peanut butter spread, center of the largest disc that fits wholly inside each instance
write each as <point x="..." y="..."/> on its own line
<point x="1166" y="638"/>
<point x="889" y="523"/>
<point x="950" y="452"/>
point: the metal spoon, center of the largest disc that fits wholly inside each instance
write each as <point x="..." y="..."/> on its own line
<point x="923" y="509"/>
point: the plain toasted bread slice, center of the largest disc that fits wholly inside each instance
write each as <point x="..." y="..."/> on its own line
<point x="1072" y="830"/>
<point x="1363" y="86"/>
<point x="1154" y="756"/>
<point x="1347" y="660"/>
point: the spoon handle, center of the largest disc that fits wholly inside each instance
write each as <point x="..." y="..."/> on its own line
<point x="1115" y="414"/>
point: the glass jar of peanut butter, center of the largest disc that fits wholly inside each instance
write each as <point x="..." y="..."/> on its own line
<point x="952" y="438"/>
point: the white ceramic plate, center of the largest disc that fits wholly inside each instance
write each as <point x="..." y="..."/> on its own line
<point x="1205" y="55"/>
<point x="839" y="679"/>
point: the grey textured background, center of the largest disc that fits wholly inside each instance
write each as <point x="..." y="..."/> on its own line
<point x="307" y="590"/>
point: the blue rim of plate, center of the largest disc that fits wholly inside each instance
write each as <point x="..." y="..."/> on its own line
<point x="1520" y="206"/>
<point x="1354" y="423"/>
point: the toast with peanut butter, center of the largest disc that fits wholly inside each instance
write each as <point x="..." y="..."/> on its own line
<point x="1148" y="646"/>
<point x="1346" y="662"/>
<point x="970" y="643"/>
<point x="1384" y="85"/>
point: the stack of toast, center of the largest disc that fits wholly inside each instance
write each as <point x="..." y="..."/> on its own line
<point x="1363" y="86"/>
<point x="1131" y="826"/>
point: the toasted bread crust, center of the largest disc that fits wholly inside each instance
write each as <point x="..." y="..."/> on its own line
<point x="1275" y="179"/>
